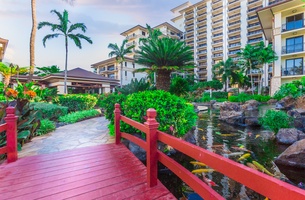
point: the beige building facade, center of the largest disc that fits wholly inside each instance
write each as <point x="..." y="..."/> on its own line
<point x="283" y="25"/>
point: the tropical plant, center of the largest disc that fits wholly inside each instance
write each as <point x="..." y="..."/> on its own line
<point x="33" y="36"/>
<point x="294" y="89"/>
<point x="77" y="102"/>
<point x="120" y="53"/>
<point x="275" y="120"/>
<point x="78" y="116"/>
<point x="174" y="114"/>
<point x="135" y="86"/>
<point x="240" y="79"/>
<point x="63" y="29"/>
<point x="226" y="69"/>
<point x="43" y="71"/>
<point x="164" y="55"/>
<point x="179" y="86"/>
<point x="46" y="126"/>
<point x="50" y="111"/>
<point x="108" y="104"/>
<point x="7" y="71"/>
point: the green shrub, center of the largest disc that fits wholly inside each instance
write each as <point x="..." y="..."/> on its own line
<point x="77" y="102"/>
<point x="46" y="126"/>
<point x="172" y="111"/>
<point x="275" y="120"/>
<point x="233" y="99"/>
<point x="78" y="116"/>
<point x="109" y="102"/>
<point x="261" y="98"/>
<point x="2" y="98"/>
<point x="243" y="97"/>
<point x="219" y="95"/>
<point x="215" y="85"/>
<point x="50" y="111"/>
<point x="179" y="86"/>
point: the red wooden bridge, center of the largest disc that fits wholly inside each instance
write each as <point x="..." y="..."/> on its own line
<point x="112" y="172"/>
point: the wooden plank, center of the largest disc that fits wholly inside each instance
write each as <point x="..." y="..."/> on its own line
<point x="51" y="184"/>
<point x="27" y="166"/>
<point x="135" y="124"/>
<point x="3" y="127"/>
<point x="3" y="150"/>
<point x="60" y="175"/>
<point x="167" y="197"/>
<point x="135" y="140"/>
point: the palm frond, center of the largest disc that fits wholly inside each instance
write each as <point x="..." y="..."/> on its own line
<point x="76" y="26"/>
<point x="49" y="36"/>
<point x="76" y="40"/>
<point x="81" y="36"/>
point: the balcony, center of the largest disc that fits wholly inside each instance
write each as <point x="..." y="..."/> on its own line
<point x="202" y="51"/>
<point x="218" y="28"/>
<point x="201" y="58"/>
<point x="233" y="23"/>
<point x="217" y="41"/>
<point x="232" y="9"/>
<point x="234" y="45"/>
<point x="273" y="2"/>
<point x="294" y="71"/>
<point x="201" y="39"/>
<point x="233" y="38"/>
<point x="235" y="15"/>
<point x="217" y="55"/>
<point x="217" y="35"/>
<point x="254" y="9"/>
<point x="252" y="17"/>
<point x="233" y="52"/>
<point x="217" y="49"/>
<point x="293" y="48"/>
<point x="190" y="25"/>
<point x="253" y="25"/>
<point x="230" y="2"/>
<point x="255" y="40"/>
<point x="234" y="30"/>
<point x="201" y="45"/>
<point x="293" y="25"/>
<point x="254" y="33"/>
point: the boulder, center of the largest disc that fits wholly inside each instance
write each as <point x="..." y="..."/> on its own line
<point x="252" y="121"/>
<point x="271" y="101"/>
<point x="299" y="118"/>
<point x="293" y="156"/>
<point x="231" y="113"/>
<point x="250" y="105"/>
<point x="289" y="135"/>
<point x="266" y="135"/>
<point x="287" y="103"/>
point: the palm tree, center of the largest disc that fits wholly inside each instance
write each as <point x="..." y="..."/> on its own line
<point x="240" y="79"/>
<point x="43" y="71"/>
<point x="249" y="56"/>
<point x="120" y="53"/>
<point x="164" y="55"/>
<point x="227" y="70"/>
<point x="8" y="71"/>
<point x="65" y="30"/>
<point x="33" y="36"/>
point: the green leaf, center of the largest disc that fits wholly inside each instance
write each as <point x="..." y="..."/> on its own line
<point x="24" y="134"/>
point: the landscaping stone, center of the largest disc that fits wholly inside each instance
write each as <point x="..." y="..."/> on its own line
<point x="293" y="156"/>
<point x="287" y="103"/>
<point x="289" y="135"/>
<point x="252" y="121"/>
<point x="231" y="113"/>
<point x="250" y="105"/>
<point x="271" y="101"/>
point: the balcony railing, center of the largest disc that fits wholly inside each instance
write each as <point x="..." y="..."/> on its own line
<point x="217" y="48"/>
<point x="233" y="52"/>
<point x="234" y="8"/>
<point x="253" y="9"/>
<point x="254" y="32"/>
<point x="233" y="38"/>
<point x="255" y="40"/>
<point x="273" y="2"/>
<point x="217" y="15"/>
<point x="234" y="30"/>
<point x="234" y="45"/>
<point x="237" y="22"/>
<point x="238" y="14"/>
<point x="233" y="1"/>
<point x="293" y="48"/>
<point x="217" y="35"/>
<point x="293" y="25"/>
<point x="200" y="52"/>
<point x="296" y="70"/>
<point x="255" y="24"/>
<point x="252" y="17"/>
<point x="250" y="2"/>
<point x="218" y="55"/>
<point x="201" y="45"/>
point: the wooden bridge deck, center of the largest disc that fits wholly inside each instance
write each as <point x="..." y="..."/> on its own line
<point x="102" y="172"/>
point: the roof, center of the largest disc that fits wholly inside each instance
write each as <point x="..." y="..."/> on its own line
<point x="110" y="60"/>
<point x="169" y="26"/>
<point x="125" y="33"/>
<point x="181" y="6"/>
<point x="80" y="73"/>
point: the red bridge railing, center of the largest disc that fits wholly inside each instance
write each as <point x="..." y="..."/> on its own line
<point x="255" y="180"/>
<point x="11" y="135"/>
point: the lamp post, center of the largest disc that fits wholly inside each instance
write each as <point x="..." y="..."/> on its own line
<point x="3" y="45"/>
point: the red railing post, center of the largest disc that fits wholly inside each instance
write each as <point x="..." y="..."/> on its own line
<point x="117" y="118"/>
<point x="11" y="134"/>
<point x="151" y="154"/>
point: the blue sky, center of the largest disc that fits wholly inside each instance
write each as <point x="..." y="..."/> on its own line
<point x="105" y="20"/>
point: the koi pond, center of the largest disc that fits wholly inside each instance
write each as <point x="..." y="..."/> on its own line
<point x="241" y="144"/>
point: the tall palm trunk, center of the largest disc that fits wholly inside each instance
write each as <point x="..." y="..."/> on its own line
<point x="32" y="40"/>
<point x="251" y="76"/>
<point x="163" y="79"/>
<point x="121" y="75"/>
<point x="66" y="66"/>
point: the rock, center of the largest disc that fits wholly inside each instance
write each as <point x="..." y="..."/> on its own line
<point x="300" y="103"/>
<point x="231" y="113"/>
<point x="289" y="135"/>
<point x="267" y="135"/>
<point x="271" y="101"/>
<point x="299" y="118"/>
<point x="202" y="108"/>
<point x="293" y="156"/>
<point x="287" y="103"/>
<point x="252" y="121"/>
<point x="250" y="105"/>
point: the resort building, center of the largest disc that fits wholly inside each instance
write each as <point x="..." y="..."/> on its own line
<point x="3" y="45"/>
<point x="78" y="81"/>
<point x="283" y="25"/>
<point x="111" y="69"/>
<point x="217" y="30"/>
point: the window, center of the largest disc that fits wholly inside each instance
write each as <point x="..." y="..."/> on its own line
<point x="294" y="45"/>
<point x="294" y="22"/>
<point x="293" y="67"/>
<point x="133" y="65"/>
<point x="133" y="74"/>
<point x="143" y="33"/>
<point x="125" y="64"/>
<point x="125" y="73"/>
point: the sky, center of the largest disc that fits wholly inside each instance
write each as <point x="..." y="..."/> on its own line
<point x="105" y="20"/>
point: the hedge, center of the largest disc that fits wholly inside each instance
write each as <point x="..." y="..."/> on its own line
<point x="50" y="111"/>
<point x="77" y="102"/>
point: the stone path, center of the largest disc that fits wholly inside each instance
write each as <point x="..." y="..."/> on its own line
<point x="86" y="133"/>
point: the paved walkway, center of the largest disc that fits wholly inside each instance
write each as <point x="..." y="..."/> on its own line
<point x="86" y="133"/>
